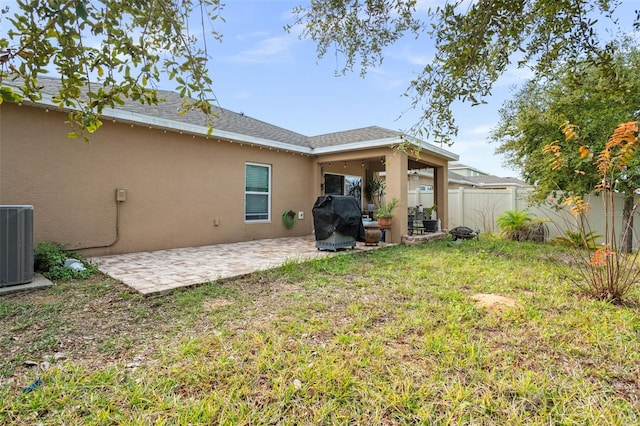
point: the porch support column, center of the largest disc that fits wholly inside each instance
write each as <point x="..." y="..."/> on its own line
<point x="396" y="182"/>
<point x="316" y="183"/>
<point x="442" y="195"/>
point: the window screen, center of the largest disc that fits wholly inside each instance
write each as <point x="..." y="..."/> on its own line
<point x="257" y="192"/>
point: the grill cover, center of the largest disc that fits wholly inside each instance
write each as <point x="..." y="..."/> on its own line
<point x="337" y="213"/>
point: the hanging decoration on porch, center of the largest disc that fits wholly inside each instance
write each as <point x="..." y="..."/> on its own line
<point x="289" y="218"/>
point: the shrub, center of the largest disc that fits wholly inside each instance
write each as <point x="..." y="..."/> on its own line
<point x="49" y="258"/>
<point x="579" y="239"/>
<point x="48" y="255"/>
<point x="520" y="225"/>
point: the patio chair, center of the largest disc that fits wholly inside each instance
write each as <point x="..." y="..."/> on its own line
<point x="413" y="227"/>
<point x="410" y="223"/>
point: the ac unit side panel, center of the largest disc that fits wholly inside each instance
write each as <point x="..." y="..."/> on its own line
<point x="16" y="245"/>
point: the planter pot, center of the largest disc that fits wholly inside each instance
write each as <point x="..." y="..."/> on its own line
<point x="384" y="222"/>
<point x="372" y="233"/>
<point x="430" y="225"/>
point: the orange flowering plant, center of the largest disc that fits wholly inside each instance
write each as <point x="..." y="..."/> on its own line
<point x="606" y="271"/>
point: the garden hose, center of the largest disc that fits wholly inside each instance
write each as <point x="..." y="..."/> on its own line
<point x="289" y="218"/>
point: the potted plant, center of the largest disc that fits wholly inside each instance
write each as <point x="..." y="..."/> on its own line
<point x="431" y="210"/>
<point x="385" y="212"/>
<point x="374" y="190"/>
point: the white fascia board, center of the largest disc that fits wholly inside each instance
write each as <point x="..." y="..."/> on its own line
<point x="432" y="148"/>
<point x="387" y="142"/>
<point x="163" y="123"/>
<point x="356" y="146"/>
<point x="177" y="126"/>
<point x="261" y="142"/>
<point x="195" y="129"/>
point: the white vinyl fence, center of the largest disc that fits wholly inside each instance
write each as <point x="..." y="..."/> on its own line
<point x="480" y="208"/>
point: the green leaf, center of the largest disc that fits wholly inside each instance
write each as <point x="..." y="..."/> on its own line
<point x="81" y="11"/>
<point x="9" y="95"/>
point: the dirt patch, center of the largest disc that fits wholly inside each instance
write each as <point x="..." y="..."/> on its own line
<point x="494" y="302"/>
<point x="99" y="320"/>
<point x="215" y="304"/>
<point x="87" y="322"/>
<point x="286" y="287"/>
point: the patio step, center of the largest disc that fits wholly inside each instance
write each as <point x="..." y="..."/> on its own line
<point x="411" y="240"/>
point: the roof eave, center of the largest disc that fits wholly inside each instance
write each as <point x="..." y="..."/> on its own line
<point x="203" y="131"/>
<point x="355" y="146"/>
<point x="386" y="142"/>
<point x="431" y="148"/>
<point x="150" y="121"/>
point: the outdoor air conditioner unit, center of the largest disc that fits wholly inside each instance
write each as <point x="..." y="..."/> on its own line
<point x="16" y="245"/>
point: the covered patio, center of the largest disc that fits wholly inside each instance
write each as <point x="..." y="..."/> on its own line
<point x="394" y="157"/>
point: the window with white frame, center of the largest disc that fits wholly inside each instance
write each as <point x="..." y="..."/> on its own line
<point x="257" y="192"/>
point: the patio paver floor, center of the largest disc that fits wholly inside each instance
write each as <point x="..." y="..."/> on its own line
<point x="164" y="270"/>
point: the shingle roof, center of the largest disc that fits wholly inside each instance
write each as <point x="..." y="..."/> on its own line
<point x="496" y="180"/>
<point x="233" y="122"/>
<point x="350" y="136"/>
<point x="458" y="166"/>
<point x="453" y="176"/>
<point x="227" y="120"/>
<point x="485" y="180"/>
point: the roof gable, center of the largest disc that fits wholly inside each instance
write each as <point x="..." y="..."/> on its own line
<point x="353" y="136"/>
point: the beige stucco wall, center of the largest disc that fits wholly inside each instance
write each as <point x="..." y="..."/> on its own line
<point x="177" y="186"/>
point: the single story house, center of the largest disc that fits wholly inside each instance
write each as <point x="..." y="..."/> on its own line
<point x="151" y="178"/>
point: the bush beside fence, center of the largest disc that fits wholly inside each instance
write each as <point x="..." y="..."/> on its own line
<point x="480" y="208"/>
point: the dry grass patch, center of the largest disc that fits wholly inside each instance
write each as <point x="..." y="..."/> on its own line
<point x="215" y="304"/>
<point x="494" y="302"/>
<point x="387" y="337"/>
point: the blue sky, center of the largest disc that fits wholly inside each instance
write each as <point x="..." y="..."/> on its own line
<point x="271" y="75"/>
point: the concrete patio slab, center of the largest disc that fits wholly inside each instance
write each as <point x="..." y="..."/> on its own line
<point x="164" y="270"/>
<point x="39" y="281"/>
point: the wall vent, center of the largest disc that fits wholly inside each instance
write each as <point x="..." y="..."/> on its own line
<point x="16" y="245"/>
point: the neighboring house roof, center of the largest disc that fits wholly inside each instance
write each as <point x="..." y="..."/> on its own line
<point x="490" y="180"/>
<point x="460" y="166"/>
<point x="452" y="177"/>
<point x="486" y="181"/>
<point x="457" y="178"/>
<point x="237" y="126"/>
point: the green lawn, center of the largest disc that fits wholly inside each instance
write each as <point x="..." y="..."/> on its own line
<point x="385" y="337"/>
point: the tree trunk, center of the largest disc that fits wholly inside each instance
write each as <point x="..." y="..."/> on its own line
<point x="626" y="239"/>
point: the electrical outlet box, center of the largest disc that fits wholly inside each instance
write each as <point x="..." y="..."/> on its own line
<point x="121" y="195"/>
<point x="300" y="215"/>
